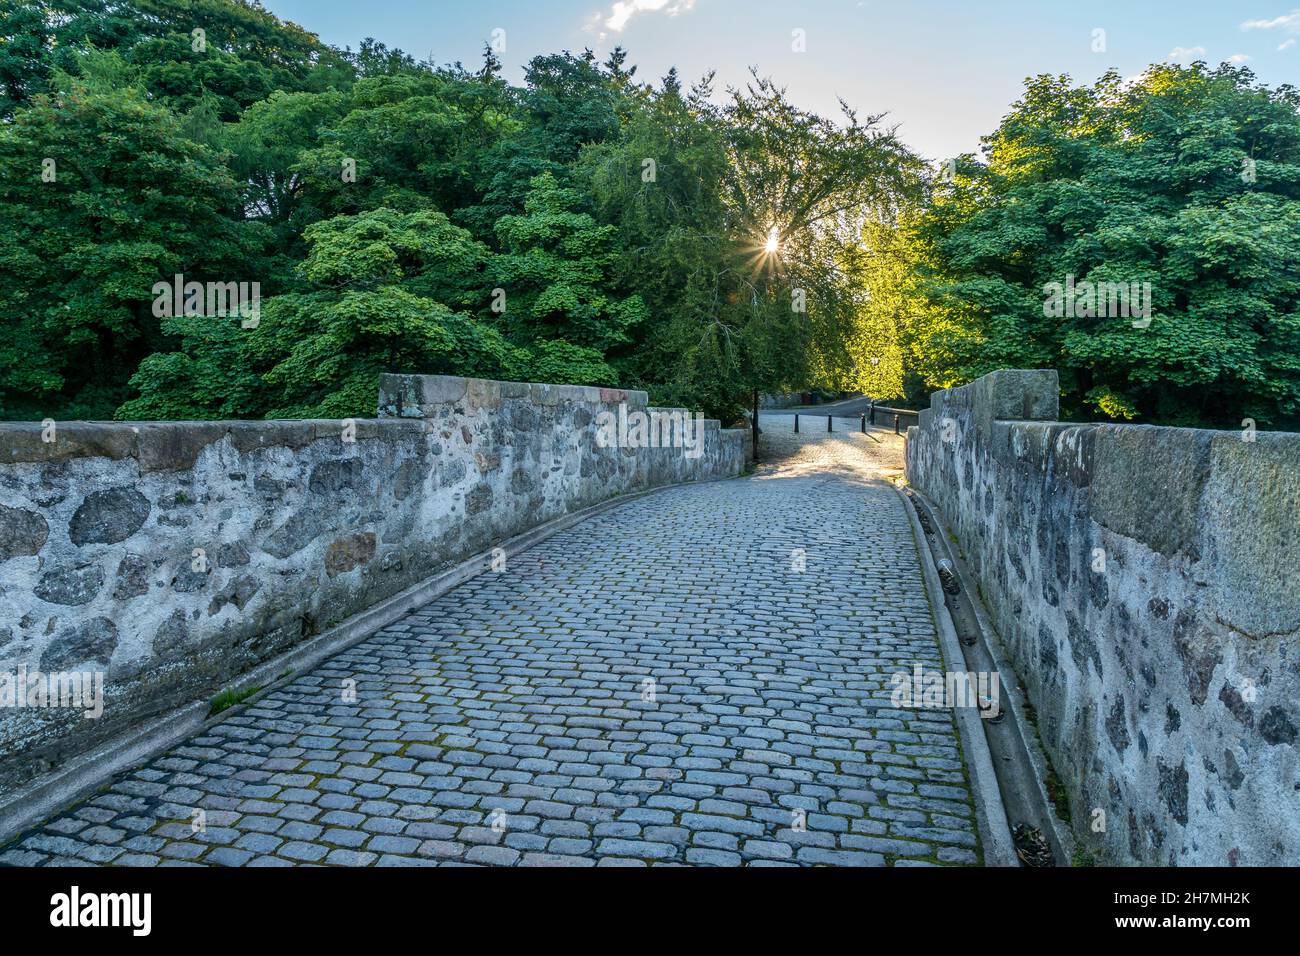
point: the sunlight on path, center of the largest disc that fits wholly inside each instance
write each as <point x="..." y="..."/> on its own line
<point x="845" y="453"/>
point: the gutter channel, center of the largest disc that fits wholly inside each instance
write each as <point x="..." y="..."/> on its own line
<point x="1019" y="764"/>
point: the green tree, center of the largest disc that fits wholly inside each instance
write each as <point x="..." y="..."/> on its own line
<point x="566" y="105"/>
<point x="241" y="53"/>
<point x="660" y="184"/>
<point x="267" y="148"/>
<point x="417" y="140"/>
<point x="555" y="269"/>
<point x="742" y="238"/>
<point x="380" y="296"/>
<point x="102" y="195"/>
<point x="1188" y="181"/>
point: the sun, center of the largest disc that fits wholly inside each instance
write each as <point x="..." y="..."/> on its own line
<point x="773" y="244"/>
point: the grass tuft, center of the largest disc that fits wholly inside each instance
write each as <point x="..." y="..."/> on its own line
<point x="229" y="698"/>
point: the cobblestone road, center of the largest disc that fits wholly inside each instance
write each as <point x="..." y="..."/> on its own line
<point x="660" y="684"/>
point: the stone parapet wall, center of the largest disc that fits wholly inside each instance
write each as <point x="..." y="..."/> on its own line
<point x="1145" y="582"/>
<point x="173" y="557"/>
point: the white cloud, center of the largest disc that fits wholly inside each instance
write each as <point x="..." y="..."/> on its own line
<point x="1182" y="53"/>
<point x="1290" y="22"/>
<point x="1287" y="44"/>
<point x="624" y="10"/>
<point x="1239" y="58"/>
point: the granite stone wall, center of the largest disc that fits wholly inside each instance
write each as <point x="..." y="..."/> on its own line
<point x="172" y="557"/>
<point x="1146" y="583"/>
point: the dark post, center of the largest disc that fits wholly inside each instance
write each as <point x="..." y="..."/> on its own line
<point x="864" y="423"/>
<point x="796" y="423"/>
<point x="896" y="425"/>
<point x="828" y="423"/>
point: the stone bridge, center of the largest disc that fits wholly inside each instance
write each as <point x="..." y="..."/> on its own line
<point x="478" y="630"/>
<point x="699" y="675"/>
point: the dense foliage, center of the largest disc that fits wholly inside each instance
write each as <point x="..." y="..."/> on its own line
<point x="1187" y="180"/>
<point x="398" y="216"/>
<point x="586" y="227"/>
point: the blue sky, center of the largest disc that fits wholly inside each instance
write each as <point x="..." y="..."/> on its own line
<point x="944" y="70"/>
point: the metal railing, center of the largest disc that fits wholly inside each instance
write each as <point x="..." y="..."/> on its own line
<point x="901" y="418"/>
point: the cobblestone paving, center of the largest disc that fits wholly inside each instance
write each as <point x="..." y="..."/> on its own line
<point x="657" y="685"/>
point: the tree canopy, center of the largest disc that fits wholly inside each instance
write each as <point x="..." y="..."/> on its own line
<point x="584" y="227"/>
<point x="1185" y="181"/>
<point x="589" y="227"/>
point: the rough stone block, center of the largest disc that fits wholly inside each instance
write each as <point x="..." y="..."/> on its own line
<point x="166" y="447"/>
<point x="23" y="442"/>
<point x="1250" y="531"/>
<point x="1148" y="484"/>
